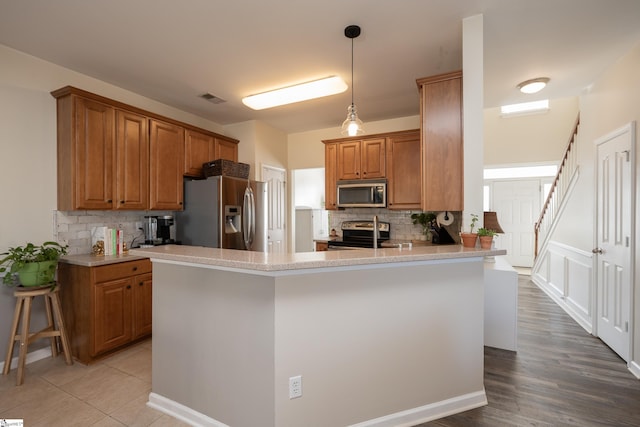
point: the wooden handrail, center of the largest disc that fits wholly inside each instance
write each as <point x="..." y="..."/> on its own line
<point x="554" y="185"/>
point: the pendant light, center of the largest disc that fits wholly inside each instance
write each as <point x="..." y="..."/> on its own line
<point x="352" y="126"/>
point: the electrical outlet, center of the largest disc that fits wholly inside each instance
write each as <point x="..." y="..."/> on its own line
<point x="295" y="387"/>
<point x="138" y="225"/>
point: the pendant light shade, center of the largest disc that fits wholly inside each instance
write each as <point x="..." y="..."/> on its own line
<point x="352" y="126"/>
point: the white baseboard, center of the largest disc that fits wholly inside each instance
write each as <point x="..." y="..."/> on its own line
<point x="406" y="418"/>
<point x="433" y="411"/>
<point x="31" y="357"/>
<point x="181" y="412"/>
<point x="635" y="369"/>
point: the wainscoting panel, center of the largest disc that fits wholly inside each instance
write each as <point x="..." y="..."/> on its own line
<point x="566" y="275"/>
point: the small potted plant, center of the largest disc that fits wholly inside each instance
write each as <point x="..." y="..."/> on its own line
<point x="486" y="237"/>
<point x="425" y="219"/>
<point x="35" y="265"/>
<point x="469" y="239"/>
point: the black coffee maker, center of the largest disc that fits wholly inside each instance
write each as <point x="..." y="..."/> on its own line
<point x="165" y="227"/>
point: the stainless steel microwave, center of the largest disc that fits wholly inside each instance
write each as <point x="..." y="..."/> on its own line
<point x="362" y="194"/>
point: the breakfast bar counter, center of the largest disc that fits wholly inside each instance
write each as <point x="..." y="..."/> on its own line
<point x="269" y="263"/>
<point x="371" y="337"/>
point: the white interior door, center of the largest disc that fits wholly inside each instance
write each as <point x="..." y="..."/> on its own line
<point x="276" y="218"/>
<point x="517" y="205"/>
<point x="613" y="238"/>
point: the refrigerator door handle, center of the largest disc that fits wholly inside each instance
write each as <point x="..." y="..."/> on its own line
<point x="249" y="218"/>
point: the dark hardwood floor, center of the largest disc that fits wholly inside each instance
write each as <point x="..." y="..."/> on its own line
<point x="560" y="376"/>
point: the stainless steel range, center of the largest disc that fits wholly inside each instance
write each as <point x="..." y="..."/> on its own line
<point x="360" y="234"/>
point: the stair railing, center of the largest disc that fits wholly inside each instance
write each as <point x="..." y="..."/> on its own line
<point x="561" y="183"/>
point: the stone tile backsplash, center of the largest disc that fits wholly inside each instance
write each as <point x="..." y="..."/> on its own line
<point x="74" y="227"/>
<point x="402" y="227"/>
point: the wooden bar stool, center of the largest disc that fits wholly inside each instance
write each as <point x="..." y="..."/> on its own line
<point x="53" y="309"/>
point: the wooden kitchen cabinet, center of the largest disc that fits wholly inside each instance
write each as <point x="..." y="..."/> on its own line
<point x="226" y="149"/>
<point x="105" y="307"/>
<point x="361" y="159"/>
<point x="404" y="170"/>
<point x="392" y="155"/>
<point x="86" y="154"/>
<point x="330" y="175"/>
<point x="166" y="147"/>
<point x="115" y="156"/>
<point x="442" y="142"/>
<point x="132" y="161"/>
<point x="200" y="148"/>
<point x="322" y="246"/>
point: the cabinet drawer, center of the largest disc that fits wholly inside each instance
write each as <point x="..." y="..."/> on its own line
<point x="120" y="270"/>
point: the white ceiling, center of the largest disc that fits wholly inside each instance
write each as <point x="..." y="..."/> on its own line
<point x="174" y="51"/>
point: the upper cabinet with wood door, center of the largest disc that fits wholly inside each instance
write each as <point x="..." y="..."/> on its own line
<point x="404" y="170"/>
<point x="86" y="154"/>
<point x="115" y="156"/>
<point x="202" y="147"/>
<point x="166" y="147"/>
<point x="361" y="159"/>
<point x="442" y="142"/>
<point x="330" y="175"/>
<point x="132" y="161"/>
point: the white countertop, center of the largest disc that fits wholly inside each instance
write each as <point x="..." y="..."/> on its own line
<point x="269" y="262"/>
<point x="90" y="260"/>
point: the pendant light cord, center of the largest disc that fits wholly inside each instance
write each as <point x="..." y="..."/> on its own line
<point x="352" y="88"/>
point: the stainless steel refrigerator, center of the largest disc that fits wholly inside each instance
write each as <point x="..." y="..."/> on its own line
<point x="224" y="212"/>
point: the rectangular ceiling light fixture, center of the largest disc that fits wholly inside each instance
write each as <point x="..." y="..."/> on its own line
<point x="525" y="108"/>
<point x="301" y="92"/>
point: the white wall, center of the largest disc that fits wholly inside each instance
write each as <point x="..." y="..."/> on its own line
<point x="309" y="187"/>
<point x="306" y="150"/>
<point x="28" y="153"/>
<point x="610" y="103"/>
<point x="533" y="139"/>
<point x="28" y="139"/>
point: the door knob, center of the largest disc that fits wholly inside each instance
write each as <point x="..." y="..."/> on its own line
<point x="597" y="250"/>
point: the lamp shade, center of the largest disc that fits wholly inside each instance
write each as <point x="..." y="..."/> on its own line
<point x="491" y="222"/>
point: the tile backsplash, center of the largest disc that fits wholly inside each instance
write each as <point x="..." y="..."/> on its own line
<point x="74" y="227"/>
<point x="402" y="227"/>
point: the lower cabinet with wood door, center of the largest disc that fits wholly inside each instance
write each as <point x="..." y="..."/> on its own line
<point x="105" y="307"/>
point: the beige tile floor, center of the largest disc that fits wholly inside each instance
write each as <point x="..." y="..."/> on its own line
<point x="112" y="392"/>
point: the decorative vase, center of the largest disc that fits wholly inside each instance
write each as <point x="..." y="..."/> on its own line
<point x="486" y="241"/>
<point x="37" y="273"/>
<point x="469" y="239"/>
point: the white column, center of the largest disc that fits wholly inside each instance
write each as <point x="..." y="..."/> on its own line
<point x="473" y="104"/>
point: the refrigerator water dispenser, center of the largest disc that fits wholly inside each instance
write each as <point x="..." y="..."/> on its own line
<point x="233" y="219"/>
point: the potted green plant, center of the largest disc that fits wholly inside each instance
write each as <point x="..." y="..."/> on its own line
<point x="425" y="219"/>
<point x="469" y="239"/>
<point x="35" y="265"/>
<point x="486" y="237"/>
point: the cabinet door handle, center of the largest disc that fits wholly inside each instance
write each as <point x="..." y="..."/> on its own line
<point x="135" y="268"/>
<point x="128" y="286"/>
<point x="141" y="283"/>
<point x="109" y="201"/>
<point x="122" y="202"/>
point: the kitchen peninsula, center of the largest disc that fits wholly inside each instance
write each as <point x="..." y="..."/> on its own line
<point x="378" y="337"/>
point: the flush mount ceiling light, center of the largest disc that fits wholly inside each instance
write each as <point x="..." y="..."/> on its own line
<point x="533" y="85"/>
<point x="296" y="93"/>
<point x="352" y="126"/>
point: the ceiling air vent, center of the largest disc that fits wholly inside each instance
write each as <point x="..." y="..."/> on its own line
<point x="212" y="98"/>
